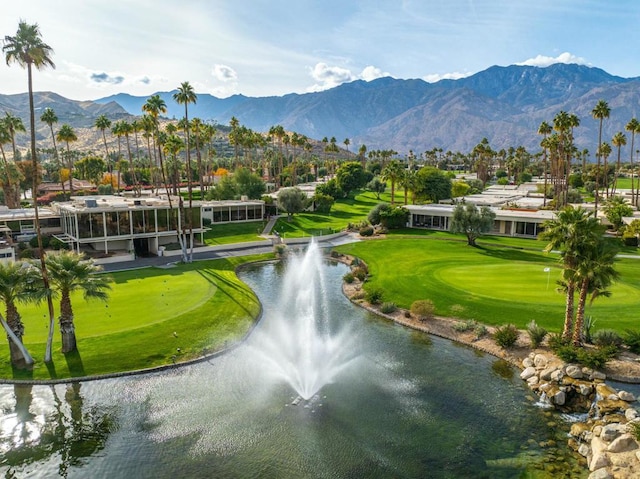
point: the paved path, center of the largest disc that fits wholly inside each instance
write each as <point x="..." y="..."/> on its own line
<point x="225" y="251"/>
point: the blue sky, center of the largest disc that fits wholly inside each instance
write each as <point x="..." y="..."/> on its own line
<point x="274" y="47"/>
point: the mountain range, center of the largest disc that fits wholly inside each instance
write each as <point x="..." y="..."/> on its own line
<point x="504" y="104"/>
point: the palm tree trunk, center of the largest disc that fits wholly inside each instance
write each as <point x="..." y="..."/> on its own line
<point x="67" y="328"/>
<point x="582" y="301"/>
<point x="568" y="316"/>
<point x="14" y="328"/>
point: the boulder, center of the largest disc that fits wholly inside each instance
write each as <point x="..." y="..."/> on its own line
<point x="578" y="429"/>
<point x="545" y="374"/>
<point x="557" y="375"/>
<point x="611" y="431"/>
<point x="598" y="376"/>
<point x="559" y="398"/>
<point x="600" y="474"/>
<point x="626" y="396"/>
<point x="574" y="371"/>
<point x="630" y="414"/>
<point x="584" y="450"/>
<point x="527" y="373"/>
<point x="527" y="363"/>
<point x="623" y="443"/>
<point x="540" y="361"/>
<point x="532" y="381"/>
<point x="608" y="406"/>
<point x="599" y="461"/>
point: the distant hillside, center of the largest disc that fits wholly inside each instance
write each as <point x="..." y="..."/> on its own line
<point x="504" y="104"/>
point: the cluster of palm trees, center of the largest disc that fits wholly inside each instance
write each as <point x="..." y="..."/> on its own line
<point x="587" y="258"/>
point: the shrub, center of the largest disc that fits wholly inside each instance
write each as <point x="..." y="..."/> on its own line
<point x="506" y="336"/>
<point x="536" y="333"/>
<point x="26" y="254"/>
<point x="480" y="330"/>
<point x="366" y="231"/>
<point x="556" y="342"/>
<point x="456" y="309"/>
<point x="374" y="296"/>
<point x="388" y="308"/>
<point x="348" y="278"/>
<point x="360" y="273"/>
<point x="587" y="326"/>
<point x="634" y="429"/>
<point x="464" y="326"/>
<point x="56" y="244"/>
<point x="423" y="309"/>
<point x="632" y="340"/>
<point x="46" y="239"/>
<point x="594" y="359"/>
<point x="607" y="337"/>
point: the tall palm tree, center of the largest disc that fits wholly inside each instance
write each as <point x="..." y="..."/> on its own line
<point x="545" y="130"/>
<point x="7" y="186"/>
<point x="594" y="273"/>
<point x="618" y="140"/>
<point x="633" y="127"/>
<point x="19" y="283"/>
<point x="600" y="112"/>
<point x="68" y="135"/>
<point x="49" y="117"/>
<point x="393" y="173"/>
<point x="28" y="50"/>
<point x="69" y="273"/>
<point x="184" y="96"/>
<point x="14" y="125"/>
<point x="155" y="106"/>
<point x="605" y="153"/>
<point x="103" y="123"/>
<point x="569" y="232"/>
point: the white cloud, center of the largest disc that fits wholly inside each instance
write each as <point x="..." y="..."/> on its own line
<point x="371" y="73"/>
<point x="436" y="77"/>
<point x="223" y="73"/>
<point x="329" y="76"/>
<point x="545" y="61"/>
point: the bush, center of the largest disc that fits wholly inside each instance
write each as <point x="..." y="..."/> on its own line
<point x="457" y="309"/>
<point x="536" y="334"/>
<point x="480" y="330"/>
<point x="594" y="359"/>
<point x="634" y="429"/>
<point x="423" y="309"/>
<point x="587" y="326"/>
<point x="374" y="296"/>
<point x="632" y="340"/>
<point x="366" y="231"/>
<point x="556" y="342"/>
<point x="464" y="326"/>
<point x="360" y="273"/>
<point x="26" y="254"/>
<point x="56" y="244"/>
<point x="46" y="239"/>
<point x="388" y="308"/>
<point x="348" y="278"/>
<point x="506" y="336"/>
<point x="607" y="337"/>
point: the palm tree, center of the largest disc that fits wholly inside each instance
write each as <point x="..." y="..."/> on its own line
<point x="154" y="107"/>
<point x="28" y="50"/>
<point x="19" y="283"/>
<point x="14" y="125"/>
<point x="67" y="134"/>
<point x="9" y="196"/>
<point x="393" y="173"/>
<point x="569" y="232"/>
<point x="103" y="123"/>
<point x="618" y="140"/>
<point x="49" y="117"/>
<point x="184" y="96"/>
<point x="545" y="130"/>
<point x="594" y="273"/>
<point x="605" y="153"/>
<point x="69" y="273"/>
<point x="599" y="112"/>
<point x="634" y="127"/>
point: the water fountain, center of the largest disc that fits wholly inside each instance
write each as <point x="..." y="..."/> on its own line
<point x="299" y="343"/>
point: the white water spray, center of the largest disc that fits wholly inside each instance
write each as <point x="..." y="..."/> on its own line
<point x="297" y="345"/>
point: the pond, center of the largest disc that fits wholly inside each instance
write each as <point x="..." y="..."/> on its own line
<point x="401" y="404"/>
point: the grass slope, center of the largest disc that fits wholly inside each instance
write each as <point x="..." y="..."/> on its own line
<point x="493" y="284"/>
<point x="204" y="304"/>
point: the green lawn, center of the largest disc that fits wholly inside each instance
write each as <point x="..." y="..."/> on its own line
<point x="493" y="284"/>
<point x="203" y="303"/>
<point x="234" y="233"/>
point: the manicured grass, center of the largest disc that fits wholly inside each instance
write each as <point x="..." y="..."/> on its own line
<point x="343" y="212"/>
<point x="153" y="317"/>
<point x="234" y="233"/>
<point x="493" y="284"/>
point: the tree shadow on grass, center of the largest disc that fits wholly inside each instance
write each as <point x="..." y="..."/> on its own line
<point x="51" y="367"/>
<point x="511" y="254"/>
<point x="74" y="363"/>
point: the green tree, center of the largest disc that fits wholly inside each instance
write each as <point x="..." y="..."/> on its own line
<point x="19" y="283"/>
<point x="615" y="208"/>
<point x="459" y="188"/>
<point x="292" y="200"/>
<point x="249" y="184"/>
<point x="570" y="231"/>
<point x="471" y="221"/>
<point x="633" y="126"/>
<point x="619" y="140"/>
<point x="68" y="135"/>
<point x="350" y="177"/>
<point x="594" y="273"/>
<point x="377" y="187"/>
<point x="91" y="168"/>
<point x="432" y="184"/>
<point x="49" y="117"/>
<point x="392" y="173"/>
<point x="69" y="273"/>
<point x="103" y="123"/>
<point x="600" y="112"/>
<point x="184" y="96"/>
<point x="28" y="50"/>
